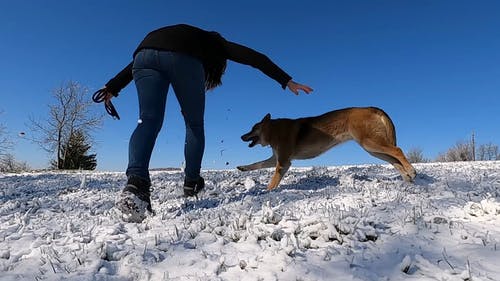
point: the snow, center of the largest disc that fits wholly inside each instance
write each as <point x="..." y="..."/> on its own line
<point x="322" y="223"/>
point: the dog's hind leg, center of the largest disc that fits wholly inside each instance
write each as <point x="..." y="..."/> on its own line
<point x="268" y="163"/>
<point x="393" y="155"/>
<point x="394" y="162"/>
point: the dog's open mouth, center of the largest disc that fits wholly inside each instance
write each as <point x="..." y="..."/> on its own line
<point x="253" y="140"/>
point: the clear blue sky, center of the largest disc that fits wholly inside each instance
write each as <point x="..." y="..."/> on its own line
<point x="433" y="66"/>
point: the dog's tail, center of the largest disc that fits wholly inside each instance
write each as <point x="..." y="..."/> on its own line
<point x="391" y="129"/>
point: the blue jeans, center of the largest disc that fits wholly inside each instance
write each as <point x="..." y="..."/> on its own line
<point x="154" y="71"/>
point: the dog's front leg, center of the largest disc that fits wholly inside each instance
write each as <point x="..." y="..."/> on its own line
<point x="268" y="163"/>
<point x="281" y="168"/>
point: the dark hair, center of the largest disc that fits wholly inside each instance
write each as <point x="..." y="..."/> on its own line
<point x="215" y="60"/>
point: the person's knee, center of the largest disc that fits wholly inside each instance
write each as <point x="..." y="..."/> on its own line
<point x="194" y="124"/>
<point x="150" y="121"/>
<point x="197" y="130"/>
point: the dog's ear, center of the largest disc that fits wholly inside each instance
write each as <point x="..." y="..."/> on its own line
<point x="267" y="117"/>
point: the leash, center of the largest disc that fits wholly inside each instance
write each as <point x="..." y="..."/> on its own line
<point x="99" y="96"/>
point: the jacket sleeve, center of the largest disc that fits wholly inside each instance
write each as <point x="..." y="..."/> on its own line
<point x="120" y="81"/>
<point x="245" y="55"/>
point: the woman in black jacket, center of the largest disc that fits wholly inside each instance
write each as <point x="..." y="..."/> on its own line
<point x="192" y="60"/>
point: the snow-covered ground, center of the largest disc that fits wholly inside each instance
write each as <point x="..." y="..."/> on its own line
<point x="321" y="223"/>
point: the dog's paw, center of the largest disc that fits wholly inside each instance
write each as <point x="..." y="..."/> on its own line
<point x="413" y="173"/>
<point x="271" y="186"/>
<point x="409" y="175"/>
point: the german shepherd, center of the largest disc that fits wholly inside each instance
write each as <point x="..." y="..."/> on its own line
<point x="306" y="138"/>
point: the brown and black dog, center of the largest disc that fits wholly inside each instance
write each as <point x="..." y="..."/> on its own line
<point x="306" y="138"/>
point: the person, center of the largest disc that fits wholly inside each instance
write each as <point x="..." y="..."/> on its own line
<point x="191" y="60"/>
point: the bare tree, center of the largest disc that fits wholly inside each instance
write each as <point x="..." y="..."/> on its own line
<point x="9" y="164"/>
<point x="5" y="142"/>
<point x="71" y="112"/>
<point x="462" y="151"/>
<point x="487" y="152"/>
<point x="415" y="155"/>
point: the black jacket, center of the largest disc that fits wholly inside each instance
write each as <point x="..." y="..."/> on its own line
<point x="194" y="41"/>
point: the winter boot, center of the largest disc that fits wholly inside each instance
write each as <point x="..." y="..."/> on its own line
<point x="191" y="188"/>
<point x="135" y="200"/>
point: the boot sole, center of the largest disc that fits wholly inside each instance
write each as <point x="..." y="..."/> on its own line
<point x="132" y="208"/>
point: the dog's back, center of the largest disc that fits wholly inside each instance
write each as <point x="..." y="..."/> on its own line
<point x="354" y="123"/>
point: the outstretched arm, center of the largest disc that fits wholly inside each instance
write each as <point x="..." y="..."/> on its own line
<point x="245" y="55"/>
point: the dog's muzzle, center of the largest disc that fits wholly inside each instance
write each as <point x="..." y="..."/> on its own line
<point x="252" y="139"/>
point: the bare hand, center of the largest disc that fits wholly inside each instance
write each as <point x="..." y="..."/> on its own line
<point x="108" y="96"/>
<point x="295" y="87"/>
